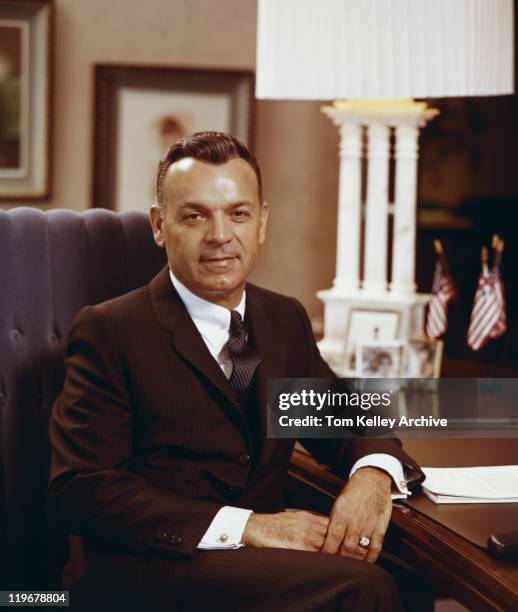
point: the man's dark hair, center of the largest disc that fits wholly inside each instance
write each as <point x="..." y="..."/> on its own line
<point x="211" y="147"/>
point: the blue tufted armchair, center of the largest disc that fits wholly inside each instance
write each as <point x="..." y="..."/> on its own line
<point x="51" y="264"/>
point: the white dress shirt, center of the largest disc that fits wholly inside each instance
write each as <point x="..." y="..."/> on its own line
<point x="213" y="323"/>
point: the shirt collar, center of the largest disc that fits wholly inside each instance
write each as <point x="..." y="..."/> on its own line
<point x="203" y="311"/>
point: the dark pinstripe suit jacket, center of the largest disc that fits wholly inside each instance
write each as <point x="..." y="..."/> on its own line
<point x="148" y="441"/>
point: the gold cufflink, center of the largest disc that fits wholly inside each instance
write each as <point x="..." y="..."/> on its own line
<point x="223" y="538"/>
<point x="403" y="484"/>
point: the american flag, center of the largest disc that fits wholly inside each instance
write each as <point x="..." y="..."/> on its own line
<point x="443" y="292"/>
<point x="501" y="325"/>
<point x="486" y="314"/>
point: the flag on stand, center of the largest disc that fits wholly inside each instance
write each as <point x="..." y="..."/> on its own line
<point x="443" y="292"/>
<point x="501" y="326"/>
<point x="486" y="316"/>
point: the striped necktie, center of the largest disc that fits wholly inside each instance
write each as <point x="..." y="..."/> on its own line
<point x="244" y="358"/>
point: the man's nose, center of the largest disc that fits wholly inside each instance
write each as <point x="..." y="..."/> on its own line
<point x="219" y="230"/>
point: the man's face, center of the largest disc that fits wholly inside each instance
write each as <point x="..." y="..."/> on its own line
<point x="212" y="226"/>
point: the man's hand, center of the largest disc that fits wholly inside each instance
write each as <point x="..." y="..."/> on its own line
<point x="298" y="530"/>
<point x="362" y="509"/>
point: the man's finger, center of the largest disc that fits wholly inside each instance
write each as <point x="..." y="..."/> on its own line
<point x="358" y="553"/>
<point x="317" y="541"/>
<point x="334" y="537"/>
<point x="323" y="521"/>
<point x="350" y="546"/>
<point x="360" y="556"/>
<point x="376" y="544"/>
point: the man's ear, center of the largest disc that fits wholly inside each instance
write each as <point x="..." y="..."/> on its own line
<point x="157" y="221"/>
<point x="263" y="222"/>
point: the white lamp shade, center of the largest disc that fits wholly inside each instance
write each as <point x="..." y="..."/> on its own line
<point x="338" y="49"/>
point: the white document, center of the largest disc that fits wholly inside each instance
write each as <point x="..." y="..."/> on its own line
<point x="472" y="485"/>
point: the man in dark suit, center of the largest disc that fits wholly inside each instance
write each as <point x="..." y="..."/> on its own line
<point x="161" y="469"/>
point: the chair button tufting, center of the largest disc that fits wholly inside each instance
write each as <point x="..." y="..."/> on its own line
<point x="17" y="336"/>
<point x="243" y="459"/>
<point x="176" y="539"/>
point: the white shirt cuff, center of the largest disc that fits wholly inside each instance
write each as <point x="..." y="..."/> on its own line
<point x="226" y="529"/>
<point x="392" y="466"/>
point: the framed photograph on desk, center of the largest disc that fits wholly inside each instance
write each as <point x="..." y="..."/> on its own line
<point x="380" y="358"/>
<point x="423" y="358"/>
<point x="365" y="325"/>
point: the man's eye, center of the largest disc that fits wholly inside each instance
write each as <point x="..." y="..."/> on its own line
<point x="240" y="214"/>
<point x="192" y="216"/>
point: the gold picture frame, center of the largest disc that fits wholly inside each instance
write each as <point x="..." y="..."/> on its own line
<point x="141" y="110"/>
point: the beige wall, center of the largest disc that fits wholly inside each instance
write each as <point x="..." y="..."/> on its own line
<point x="157" y="32"/>
<point x="466" y="151"/>
<point x="296" y="146"/>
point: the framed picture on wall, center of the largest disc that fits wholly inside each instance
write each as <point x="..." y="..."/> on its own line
<point x="140" y="111"/>
<point x="25" y="95"/>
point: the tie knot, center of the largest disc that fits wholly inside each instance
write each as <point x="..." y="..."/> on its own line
<point x="237" y="341"/>
<point x="244" y="357"/>
<point x="236" y="322"/>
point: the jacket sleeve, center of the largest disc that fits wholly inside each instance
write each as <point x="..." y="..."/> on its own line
<point x="340" y="454"/>
<point x="93" y="491"/>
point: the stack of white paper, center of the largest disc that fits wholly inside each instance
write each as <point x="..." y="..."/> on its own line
<point x="472" y="485"/>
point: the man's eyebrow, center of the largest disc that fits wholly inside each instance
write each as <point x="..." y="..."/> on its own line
<point x="239" y="204"/>
<point x="202" y="207"/>
<point x="194" y="205"/>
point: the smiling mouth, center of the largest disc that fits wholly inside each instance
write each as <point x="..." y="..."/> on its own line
<point x="218" y="263"/>
<point x="217" y="259"/>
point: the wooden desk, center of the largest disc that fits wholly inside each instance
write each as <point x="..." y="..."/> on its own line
<point x="456" y="567"/>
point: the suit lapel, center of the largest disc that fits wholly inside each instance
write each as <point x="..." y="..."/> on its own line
<point x="172" y="316"/>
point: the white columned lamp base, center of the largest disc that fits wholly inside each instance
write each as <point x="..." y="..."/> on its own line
<point x="378" y="118"/>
